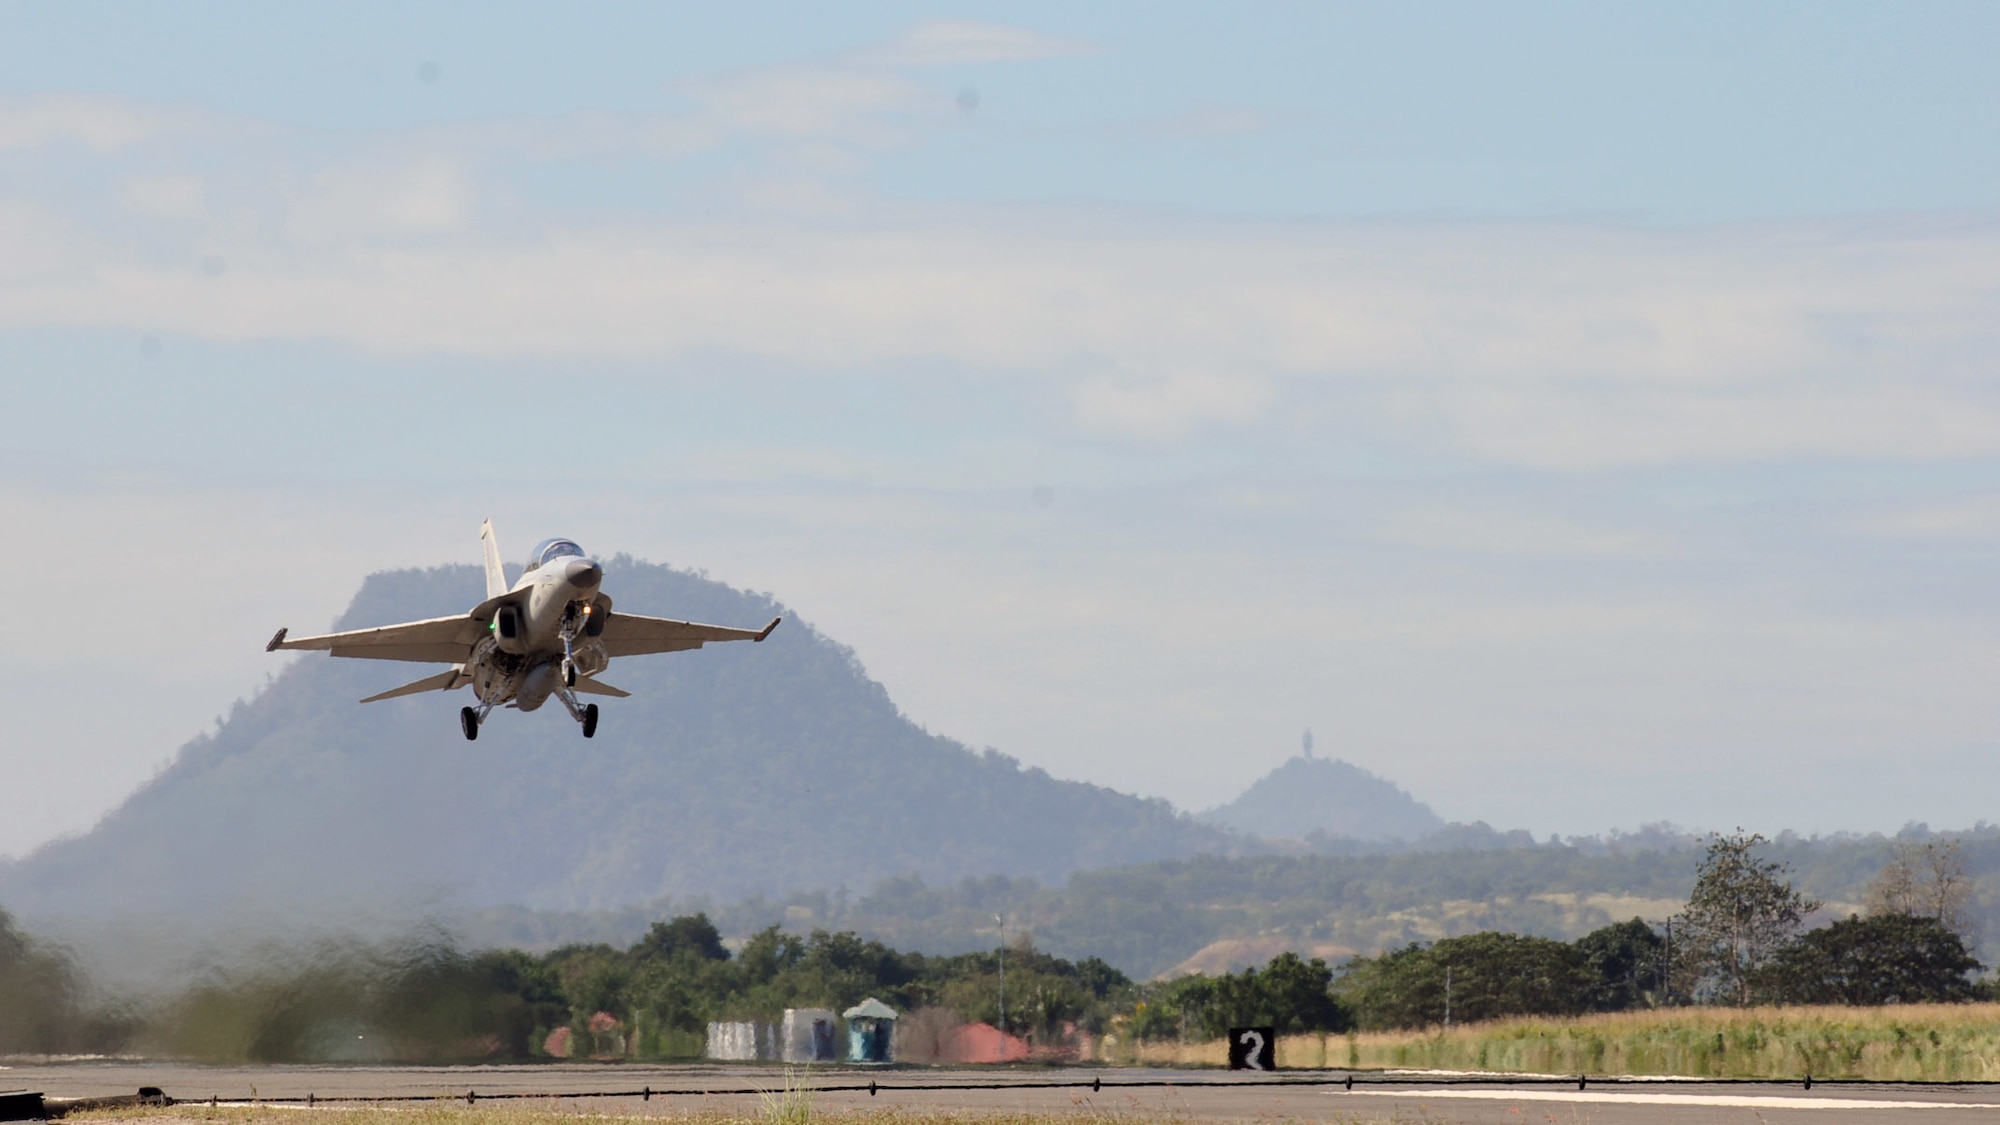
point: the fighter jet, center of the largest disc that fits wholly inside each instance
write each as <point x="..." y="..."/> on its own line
<point x="550" y="634"/>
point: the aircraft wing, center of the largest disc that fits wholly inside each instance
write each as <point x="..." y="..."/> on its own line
<point x="444" y="640"/>
<point x="628" y="635"/>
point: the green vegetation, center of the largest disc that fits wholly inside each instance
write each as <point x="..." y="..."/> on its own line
<point x="427" y="1001"/>
<point x="1883" y="959"/>
<point x="1291" y="994"/>
<point x="1933" y="1042"/>
<point x="1738" y="943"/>
<point x="1147" y="919"/>
<point x="42" y="1007"/>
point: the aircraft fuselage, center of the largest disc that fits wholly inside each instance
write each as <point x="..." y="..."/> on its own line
<point x="545" y="634"/>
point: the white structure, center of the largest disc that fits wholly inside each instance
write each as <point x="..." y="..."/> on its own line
<point x="734" y="1041"/>
<point x="808" y="1035"/>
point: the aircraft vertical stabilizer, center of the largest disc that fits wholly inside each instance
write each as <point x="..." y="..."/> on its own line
<point x="496" y="575"/>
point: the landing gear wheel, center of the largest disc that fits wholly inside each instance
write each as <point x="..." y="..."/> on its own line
<point x="569" y="673"/>
<point x="590" y="721"/>
<point x="468" y="721"/>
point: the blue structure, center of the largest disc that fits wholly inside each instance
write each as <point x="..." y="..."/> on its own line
<point x="871" y="1030"/>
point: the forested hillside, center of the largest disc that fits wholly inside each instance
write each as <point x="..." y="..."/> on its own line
<point x="734" y="771"/>
<point x="1148" y="918"/>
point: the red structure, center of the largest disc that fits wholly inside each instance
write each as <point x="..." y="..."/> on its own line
<point x="984" y="1043"/>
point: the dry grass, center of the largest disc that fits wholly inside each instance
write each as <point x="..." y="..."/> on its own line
<point x="1922" y="1042"/>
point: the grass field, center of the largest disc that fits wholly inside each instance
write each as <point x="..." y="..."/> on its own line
<point x="1915" y="1042"/>
<point x="1930" y="1042"/>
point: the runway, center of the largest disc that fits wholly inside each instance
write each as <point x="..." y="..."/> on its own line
<point x="1181" y="1095"/>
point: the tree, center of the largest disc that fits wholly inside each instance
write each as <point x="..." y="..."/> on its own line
<point x="1880" y="959"/>
<point x="1626" y="959"/>
<point x="40" y="1009"/>
<point x="1478" y="977"/>
<point x="1101" y="978"/>
<point x="688" y="935"/>
<point x="1927" y="881"/>
<point x="1291" y="993"/>
<point x="1742" y="912"/>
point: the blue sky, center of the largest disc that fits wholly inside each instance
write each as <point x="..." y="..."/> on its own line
<point x="1583" y="415"/>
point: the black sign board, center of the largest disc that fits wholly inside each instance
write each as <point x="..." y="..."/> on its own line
<point x="1253" y="1048"/>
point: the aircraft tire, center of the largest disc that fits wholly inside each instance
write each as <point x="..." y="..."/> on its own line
<point x="468" y="721"/>
<point x="569" y="673"/>
<point x="590" y="721"/>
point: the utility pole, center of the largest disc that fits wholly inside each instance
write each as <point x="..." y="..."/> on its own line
<point x="1002" y="922"/>
<point x="1667" y="966"/>
<point x="1447" y="997"/>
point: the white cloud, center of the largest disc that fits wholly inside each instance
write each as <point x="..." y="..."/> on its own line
<point x="166" y="197"/>
<point x="1536" y="345"/>
<point x="1973" y="518"/>
<point x="802" y="101"/>
<point x="104" y="124"/>
<point x="951" y="43"/>
<point x="1502" y="532"/>
<point x="1162" y="407"/>
<point x="416" y="197"/>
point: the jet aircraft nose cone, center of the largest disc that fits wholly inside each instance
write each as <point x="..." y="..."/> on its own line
<point x="583" y="574"/>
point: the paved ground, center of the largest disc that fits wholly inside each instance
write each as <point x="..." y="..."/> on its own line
<point x="1194" y="1095"/>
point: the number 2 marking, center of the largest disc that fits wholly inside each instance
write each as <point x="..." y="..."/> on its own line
<point x="1254" y="1057"/>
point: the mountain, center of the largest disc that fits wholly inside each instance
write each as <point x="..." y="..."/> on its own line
<point x="735" y="771"/>
<point x="1327" y="796"/>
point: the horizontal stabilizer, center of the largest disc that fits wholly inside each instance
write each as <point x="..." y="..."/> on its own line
<point x="587" y="686"/>
<point x="443" y="681"/>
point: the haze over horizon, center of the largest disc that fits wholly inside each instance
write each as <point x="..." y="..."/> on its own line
<point x="1581" y="418"/>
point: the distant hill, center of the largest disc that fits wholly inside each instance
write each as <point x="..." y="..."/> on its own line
<point x="736" y="771"/>
<point x="1308" y="796"/>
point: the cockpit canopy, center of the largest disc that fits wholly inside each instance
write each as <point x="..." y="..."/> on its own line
<point x="548" y="550"/>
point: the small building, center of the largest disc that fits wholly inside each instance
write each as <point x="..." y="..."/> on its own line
<point x="871" y="1026"/>
<point x="732" y="1040"/>
<point x="806" y="1036"/>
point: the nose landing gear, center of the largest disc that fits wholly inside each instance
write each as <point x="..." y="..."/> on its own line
<point x="590" y="721"/>
<point x="468" y="721"/>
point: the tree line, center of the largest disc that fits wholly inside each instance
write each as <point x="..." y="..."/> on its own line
<point x="1741" y="939"/>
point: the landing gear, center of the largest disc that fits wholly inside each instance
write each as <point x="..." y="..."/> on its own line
<point x="587" y="715"/>
<point x="569" y="672"/>
<point x="468" y="721"/>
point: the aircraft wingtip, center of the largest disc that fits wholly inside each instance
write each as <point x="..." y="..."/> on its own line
<point x="277" y="639"/>
<point x="767" y="629"/>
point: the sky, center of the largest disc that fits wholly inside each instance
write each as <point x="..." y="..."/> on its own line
<point x="1583" y="415"/>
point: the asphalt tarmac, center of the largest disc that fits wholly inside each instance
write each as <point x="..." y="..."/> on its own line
<point x="1183" y="1095"/>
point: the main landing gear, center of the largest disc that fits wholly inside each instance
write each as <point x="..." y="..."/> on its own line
<point x="469" y="719"/>
<point x="587" y="714"/>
